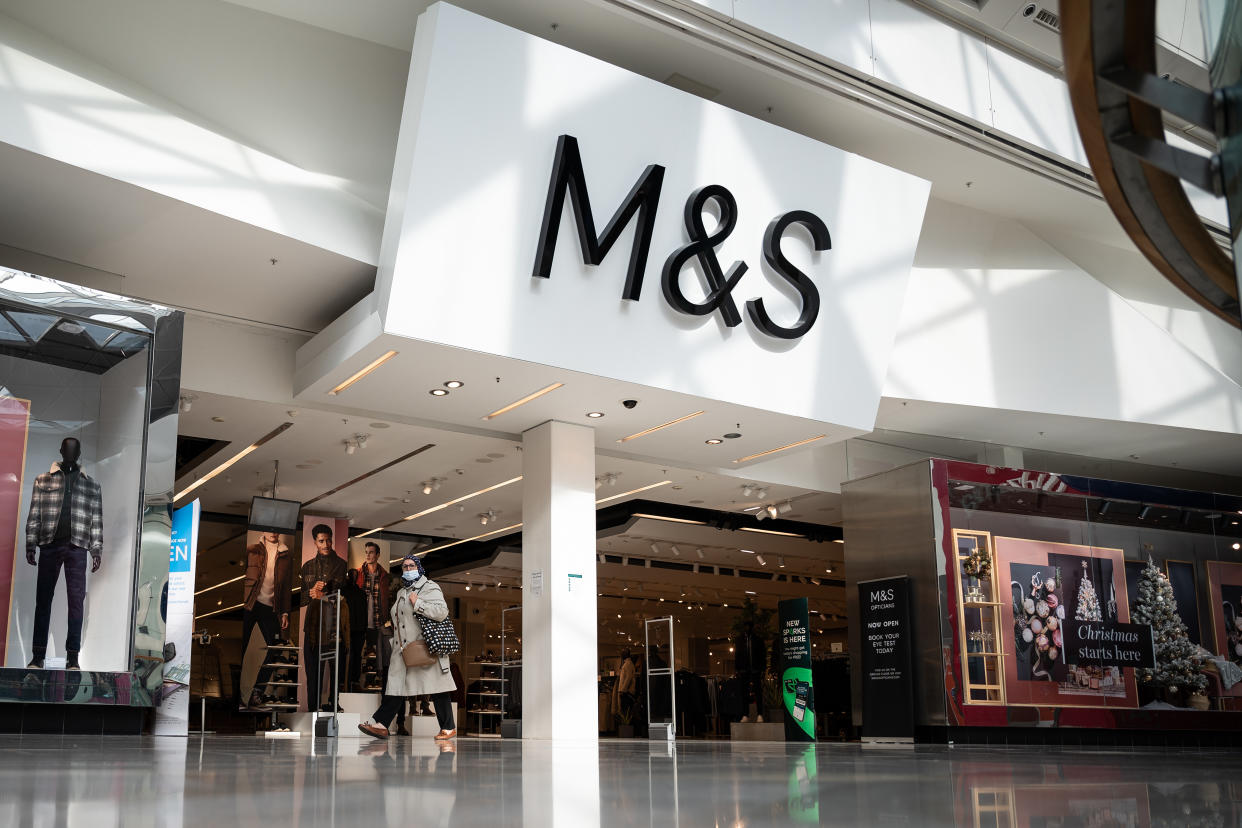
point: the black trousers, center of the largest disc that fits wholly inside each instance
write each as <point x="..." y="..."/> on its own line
<point x="51" y="558"/>
<point x="390" y="706"/>
<point x="357" y="640"/>
<point x="264" y="617"/>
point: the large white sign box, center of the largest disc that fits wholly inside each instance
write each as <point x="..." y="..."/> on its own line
<point x="556" y="209"/>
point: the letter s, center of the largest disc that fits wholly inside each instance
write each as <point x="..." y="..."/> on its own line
<point x="799" y="280"/>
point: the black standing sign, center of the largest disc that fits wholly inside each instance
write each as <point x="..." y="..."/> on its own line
<point x="797" y="689"/>
<point x="887" y="658"/>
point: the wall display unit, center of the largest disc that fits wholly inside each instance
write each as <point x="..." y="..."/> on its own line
<point x="1055" y="601"/>
<point x="89" y="385"/>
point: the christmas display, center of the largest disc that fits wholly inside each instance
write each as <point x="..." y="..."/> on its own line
<point x="978" y="564"/>
<point x="1088" y="602"/>
<point x="1177" y="665"/>
<point x="1037" y="621"/>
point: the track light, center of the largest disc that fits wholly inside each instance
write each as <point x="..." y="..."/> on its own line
<point x="601" y="557"/>
<point x="771" y="510"/>
<point x="350" y="446"/>
<point x="761" y="514"/>
<point x="761" y="493"/>
<point x="699" y="552"/>
<point x="676" y="552"/>
<point x="482" y="587"/>
<point x="761" y="561"/>
<point x="655" y="549"/>
<point x="185" y="402"/>
<point x="780" y="561"/>
<point x="1143" y="512"/>
<point x="467" y="587"/>
<point x="785" y="508"/>
<point x="426" y="488"/>
<point x="747" y="490"/>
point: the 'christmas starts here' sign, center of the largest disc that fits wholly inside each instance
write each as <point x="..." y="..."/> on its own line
<point x="1108" y="644"/>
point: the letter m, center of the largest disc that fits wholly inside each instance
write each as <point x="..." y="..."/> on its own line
<point x="643" y="199"/>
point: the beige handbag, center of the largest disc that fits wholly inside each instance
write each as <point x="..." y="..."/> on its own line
<point x="416" y="654"/>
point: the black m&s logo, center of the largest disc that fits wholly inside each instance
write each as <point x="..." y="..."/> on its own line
<point x="640" y="205"/>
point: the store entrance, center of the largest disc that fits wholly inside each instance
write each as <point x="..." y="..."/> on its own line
<point x="720" y="588"/>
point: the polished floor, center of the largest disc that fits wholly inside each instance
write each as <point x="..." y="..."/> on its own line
<point x="222" y="781"/>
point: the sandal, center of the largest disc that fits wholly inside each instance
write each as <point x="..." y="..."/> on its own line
<point x="378" y="731"/>
<point x="445" y="735"/>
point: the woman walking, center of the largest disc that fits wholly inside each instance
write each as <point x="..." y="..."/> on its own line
<point x="417" y="596"/>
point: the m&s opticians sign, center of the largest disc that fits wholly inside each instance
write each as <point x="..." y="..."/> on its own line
<point x="641" y="206"/>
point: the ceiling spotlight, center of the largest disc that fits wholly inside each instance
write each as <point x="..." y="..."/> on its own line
<point x="747" y="490"/>
<point x="780" y="561"/>
<point x="815" y="581"/>
<point x="601" y="557"/>
<point x="829" y="570"/>
<point x="454" y="384"/>
<point x="785" y="508"/>
<point x="655" y="549"/>
<point x="406" y="499"/>
<point x="761" y="561"/>
<point x="1143" y="513"/>
<point x="676" y="552"/>
<point x="595" y="415"/>
<point x="761" y="514"/>
<point x="699" y="552"/>
<point x="438" y="392"/>
<point x="482" y="587"/>
<point x="771" y="510"/>
<point x="350" y="446"/>
<point x="185" y="402"/>
<point x="715" y="441"/>
<point x="599" y="481"/>
<point x="427" y="487"/>
<point x="467" y="587"/>
<point x="761" y="493"/>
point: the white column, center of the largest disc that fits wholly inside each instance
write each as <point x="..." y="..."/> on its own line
<point x="559" y="625"/>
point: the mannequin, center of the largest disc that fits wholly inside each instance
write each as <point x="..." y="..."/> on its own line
<point x="64" y="526"/>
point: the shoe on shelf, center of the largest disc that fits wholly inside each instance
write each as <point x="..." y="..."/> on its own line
<point x="745" y="720"/>
<point x="372" y="729"/>
<point x="759" y="719"/>
<point x="445" y="735"/>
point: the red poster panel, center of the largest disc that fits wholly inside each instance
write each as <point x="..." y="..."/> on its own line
<point x="1225" y="594"/>
<point x="14" y="423"/>
<point x="1045" y="585"/>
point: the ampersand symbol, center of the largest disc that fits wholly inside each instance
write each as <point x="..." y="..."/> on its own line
<point x="702" y="246"/>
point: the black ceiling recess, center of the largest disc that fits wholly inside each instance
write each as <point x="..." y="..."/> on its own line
<point x="465" y="556"/>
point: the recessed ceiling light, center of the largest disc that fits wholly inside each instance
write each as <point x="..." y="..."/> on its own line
<point x="438" y="392"/>
<point x="595" y="415"/>
<point x="715" y="441"/>
<point x="732" y="435"/>
<point x="454" y="384"/>
<point x="217" y="419"/>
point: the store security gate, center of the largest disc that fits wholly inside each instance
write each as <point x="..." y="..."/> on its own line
<point x="661" y="693"/>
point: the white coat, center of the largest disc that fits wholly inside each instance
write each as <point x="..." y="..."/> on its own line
<point x="417" y="681"/>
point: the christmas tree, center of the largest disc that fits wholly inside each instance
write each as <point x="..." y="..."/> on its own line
<point x="1088" y="601"/>
<point x="1177" y="664"/>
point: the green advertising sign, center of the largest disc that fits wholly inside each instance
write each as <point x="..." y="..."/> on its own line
<point x="796" y="688"/>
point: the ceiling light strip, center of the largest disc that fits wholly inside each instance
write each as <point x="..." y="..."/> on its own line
<point x="633" y="492"/>
<point x="444" y="505"/>
<point x="782" y="448"/>
<point x="371" y="473"/>
<point x="528" y="398"/>
<point x="770" y="532"/>
<point x="662" y="425"/>
<point x="367" y="370"/>
<point x="669" y="519"/>
<point x="217" y="586"/>
<point x="217" y="612"/>
<point x="235" y="458"/>
<point x="467" y="540"/>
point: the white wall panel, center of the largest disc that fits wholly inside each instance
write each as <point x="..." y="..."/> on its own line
<point x="1032" y="104"/>
<point x="461" y="246"/>
<point x="922" y="54"/>
<point x="839" y="30"/>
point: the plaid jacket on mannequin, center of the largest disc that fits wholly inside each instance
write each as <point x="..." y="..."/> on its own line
<point x="85" y="519"/>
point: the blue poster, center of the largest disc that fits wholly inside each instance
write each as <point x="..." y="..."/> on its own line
<point x="172" y="715"/>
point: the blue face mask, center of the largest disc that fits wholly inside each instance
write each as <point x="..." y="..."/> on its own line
<point x="409" y="576"/>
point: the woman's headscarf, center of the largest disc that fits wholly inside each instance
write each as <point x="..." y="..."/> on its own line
<point x="422" y="571"/>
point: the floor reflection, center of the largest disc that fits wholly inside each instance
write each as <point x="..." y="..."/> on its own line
<point x="226" y="781"/>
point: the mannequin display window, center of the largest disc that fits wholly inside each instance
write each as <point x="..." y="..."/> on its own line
<point x="74" y="409"/>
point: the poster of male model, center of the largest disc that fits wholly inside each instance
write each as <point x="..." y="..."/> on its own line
<point x="14" y="421"/>
<point x="797" y="689"/>
<point x="172" y="715"/>
<point x="325" y="545"/>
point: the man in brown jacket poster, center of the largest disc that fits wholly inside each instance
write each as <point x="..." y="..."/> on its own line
<point x="267" y="595"/>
